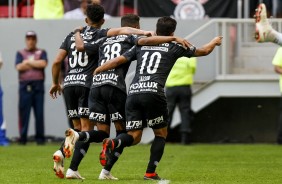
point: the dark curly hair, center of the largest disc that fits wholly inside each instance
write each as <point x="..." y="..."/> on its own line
<point x="95" y="12"/>
<point x="166" y="26"/>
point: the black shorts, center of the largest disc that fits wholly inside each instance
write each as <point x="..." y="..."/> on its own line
<point x="76" y="98"/>
<point x="107" y="104"/>
<point x="146" y="109"/>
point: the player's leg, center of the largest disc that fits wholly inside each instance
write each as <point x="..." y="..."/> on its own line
<point x="264" y="31"/>
<point x="80" y="148"/>
<point x="116" y="107"/>
<point x="157" y="117"/>
<point x="72" y="108"/>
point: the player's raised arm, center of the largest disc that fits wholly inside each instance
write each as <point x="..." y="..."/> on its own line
<point x="79" y="44"/>
<point x="127" y="31"/>
<point x="111" y="64"/>
<point x="208" y="48"/>
<point x="155" y="40"/>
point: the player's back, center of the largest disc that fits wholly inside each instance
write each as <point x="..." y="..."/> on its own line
<point x="154" y="64"/>
<point x="109" y="48"/>
<point x="81" y="64"/>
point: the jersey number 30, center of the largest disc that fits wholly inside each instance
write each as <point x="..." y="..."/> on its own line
<point x="77" y="57"/>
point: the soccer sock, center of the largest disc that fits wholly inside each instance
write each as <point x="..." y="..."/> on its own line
<point x="62" y="148"/>
<point x="157" y="150"/>
<point x="118" y="132"/>
<point x="93" y="136"/>
<point x="123" y="140"/>
<point x="117" y="152"/>
<point x="80" y="150"/>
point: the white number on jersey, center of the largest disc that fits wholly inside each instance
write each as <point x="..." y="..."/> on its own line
<point x="77" y="58"/>
<point x="111" y="51"/>
<point x="155" y="59"/>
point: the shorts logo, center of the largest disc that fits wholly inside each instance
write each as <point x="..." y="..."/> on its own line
<point x="116" y="116"/>
<point x="156" y="121"/>
<point x="72" y="113"/>
<point x="97" y="117"/>
<point x="83" y="111"/>
<point x="133" y="124"/>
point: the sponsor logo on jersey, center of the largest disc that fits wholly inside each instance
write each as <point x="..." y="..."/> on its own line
<point x="116" y="116"/>
<point x="79" y="77"/>
<point x="97" y="116"/>
<point x="141" y="85"/>
<point x="83" y="111"/>
<point x="154" y="48"/>
<point x="105" y="76"/>
<point x="72" y="113"/>
<point x="156" y="121"/>
<point x="133" y="124"/>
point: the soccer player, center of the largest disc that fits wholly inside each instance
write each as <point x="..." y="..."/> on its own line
<point x="146" y="102"/>
<point x="77" y="83"/>
<point x="108" y="91"/>
<point x="264" y="31"/>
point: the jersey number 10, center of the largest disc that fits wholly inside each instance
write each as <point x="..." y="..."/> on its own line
<point x="154" y="58"/>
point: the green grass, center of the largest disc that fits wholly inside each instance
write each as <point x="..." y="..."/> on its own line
<point x="198" y="164"/>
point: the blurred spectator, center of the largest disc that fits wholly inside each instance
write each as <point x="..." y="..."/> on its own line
<point x="70" y="5"/>
<point x="3" y="139"/>
<point x="79" y="13"/>
<point x="179" y="93"/>
<point x="111" y="7"/>
<point x="30" y="63"/>
<point x="48" y="9"/>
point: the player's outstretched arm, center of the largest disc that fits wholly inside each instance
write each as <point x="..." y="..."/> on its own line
<point x="128" y="31"/>
<point x="155" y="40"/>
<point x="111" y="64"/>
<point x="56" y="67"/>
<point x="208" y="48"/>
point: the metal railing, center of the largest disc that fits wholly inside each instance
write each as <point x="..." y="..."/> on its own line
<point x="239" y="61"/>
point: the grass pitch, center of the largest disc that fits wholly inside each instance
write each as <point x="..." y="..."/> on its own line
<point x="198" y="164"/>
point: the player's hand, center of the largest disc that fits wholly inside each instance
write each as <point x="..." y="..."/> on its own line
<point x="55" y="90"/>
<point x="97" y="71"/>
<point x="218" y="40"/>
<point x="149" y="33"/>
<point x="183" y="42"/>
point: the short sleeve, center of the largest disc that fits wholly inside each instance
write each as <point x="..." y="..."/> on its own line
<point x="93" y="47"/>
<point x="64" y="45"/>
<point x="102" y="33"/>
<point x="44" y="56"/>
<point x="130" y="55"/>
<point x="133" y="39"/>
<point x="180" y="51"/>
<point x="19" y="58"/>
